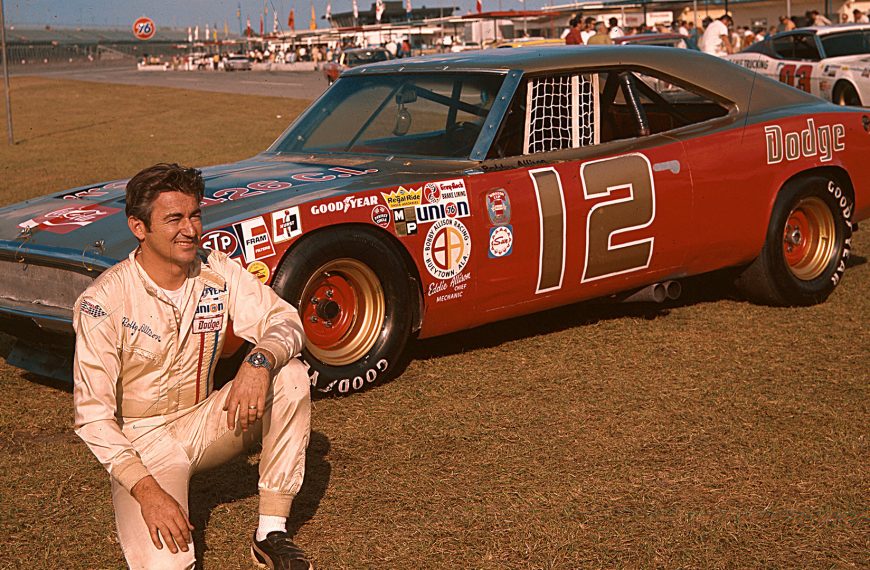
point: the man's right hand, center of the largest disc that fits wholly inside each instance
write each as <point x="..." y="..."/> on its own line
<point x="163" y="515"/>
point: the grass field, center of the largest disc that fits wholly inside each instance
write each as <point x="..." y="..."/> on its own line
<point x="710" y="433"/>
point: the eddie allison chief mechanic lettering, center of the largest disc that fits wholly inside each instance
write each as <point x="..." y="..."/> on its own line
<point x="148" y="334"/>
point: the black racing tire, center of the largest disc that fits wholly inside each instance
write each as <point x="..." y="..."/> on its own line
<point x="807" y="244"/>
<point x="355" y="297"/>
<point x="846" y="94"/>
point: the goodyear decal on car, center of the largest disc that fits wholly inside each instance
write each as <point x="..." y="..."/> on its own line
<point x="345" y="205"/>
<point x="821" y="141"/>
<point x="447" y="248"/>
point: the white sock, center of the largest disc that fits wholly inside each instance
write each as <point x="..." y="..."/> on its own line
<point x="268" y="524"/>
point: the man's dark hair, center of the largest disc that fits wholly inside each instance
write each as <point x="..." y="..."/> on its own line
<point x="144" y="188"/>
<point x="612" y="22"/>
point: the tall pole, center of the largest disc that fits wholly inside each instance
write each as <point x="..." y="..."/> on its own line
<point x="6" y="76"/>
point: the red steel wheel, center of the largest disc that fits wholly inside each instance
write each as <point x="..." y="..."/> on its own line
<point x="809" y="238"/>
<point x="342" y="310"/>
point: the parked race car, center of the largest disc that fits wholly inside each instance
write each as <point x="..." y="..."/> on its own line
<point x="831" y="62"/>
<point x="352" y="58"/>
<point x="429" y="195"/>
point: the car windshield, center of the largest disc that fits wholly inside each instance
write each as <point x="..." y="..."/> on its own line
<point x="432" y="115"/>
<point x="360" y="57"/>
<point x="847" y="43"/>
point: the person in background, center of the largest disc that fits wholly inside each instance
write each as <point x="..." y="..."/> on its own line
<point x="600" y="37"/>
<point x="574" y="36"/>
<point x="588" y="29"/>
<point x="717" y="39"/>
<point x="860" y="17"/>
<point x="615" y="30"/>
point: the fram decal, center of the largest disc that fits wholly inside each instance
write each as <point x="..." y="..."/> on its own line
<point x="286" y="224"/>
<point x="224" y="241"/>
<point x="343" y="206"/>
<point x="65" y="220"/>
<point x="256" y="243"/>
<point x="822" y="141"/>
<point x="447" y="248"/>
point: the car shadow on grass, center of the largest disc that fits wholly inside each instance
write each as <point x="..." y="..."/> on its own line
<point x="238" y="479"/>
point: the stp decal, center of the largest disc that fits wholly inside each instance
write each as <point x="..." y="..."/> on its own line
<point x="501" y="241"/>
<point x="499" y="207"/>
<point x="286" y="224"/>
<point x="823" y="141"/>
<point x="224" y="241"/>
<point x="447" y="248"/>
<point x="65" y="220"/>
<point x="256" y="243"/>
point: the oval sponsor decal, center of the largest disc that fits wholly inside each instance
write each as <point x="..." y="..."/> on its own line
<point x="222" y="241"/>
<point x="381" y="216"/>
<point x="501" y="241"/>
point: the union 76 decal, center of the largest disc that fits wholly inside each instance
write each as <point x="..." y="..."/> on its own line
<point x="630" y="176"/>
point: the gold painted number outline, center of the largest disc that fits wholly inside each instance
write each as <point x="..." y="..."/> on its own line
<point x="606" y="220"/>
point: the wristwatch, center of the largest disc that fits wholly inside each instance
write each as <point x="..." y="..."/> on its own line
<point x="259" y="360"/>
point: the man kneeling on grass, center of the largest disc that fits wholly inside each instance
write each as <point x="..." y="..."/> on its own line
<point x="148" y="334"/>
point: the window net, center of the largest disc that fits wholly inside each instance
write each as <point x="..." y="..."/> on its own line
<point x="561" y="112"/>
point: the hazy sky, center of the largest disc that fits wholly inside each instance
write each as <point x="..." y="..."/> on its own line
<point x="183" y="13"/>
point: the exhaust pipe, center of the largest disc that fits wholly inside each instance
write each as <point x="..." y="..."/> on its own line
<point x="656" y="293"/>
<point x="673" y="289"/>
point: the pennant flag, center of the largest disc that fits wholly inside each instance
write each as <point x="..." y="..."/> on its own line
<point x="189" y="34"/>
<point x="408" y="9"/>
<point x="379" y="9"/>
<point x="355" y="10"/>
<point x="479" y="6"/>
<point x="261" y="23"/>
<point x="329" y="11"/>
<point x="275" y="22"/>
<point x="248" y="30"/>
<point x="196" y="34"/>
<point x="226" y="29"/>
<point x="291" y="20"/>
<point x="313" y="24"/>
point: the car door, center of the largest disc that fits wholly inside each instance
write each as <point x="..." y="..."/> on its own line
<point x="602" y="216"/>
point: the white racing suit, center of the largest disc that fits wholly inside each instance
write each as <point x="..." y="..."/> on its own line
<point x="144" y="404"/>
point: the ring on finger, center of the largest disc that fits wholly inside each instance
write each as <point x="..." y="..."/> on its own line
<point x="253" y="407"/>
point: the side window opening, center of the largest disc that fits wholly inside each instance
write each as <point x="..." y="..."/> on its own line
<point x="571" y="111"/>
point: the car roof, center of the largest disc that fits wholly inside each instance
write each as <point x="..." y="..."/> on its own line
<point x="833" y="29"/>
<point x="714" y="74"/>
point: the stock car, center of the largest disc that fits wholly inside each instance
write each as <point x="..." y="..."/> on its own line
<point x="423" y="196"/>
<point x="831" y="62"/>
<point x="352" y="58"/>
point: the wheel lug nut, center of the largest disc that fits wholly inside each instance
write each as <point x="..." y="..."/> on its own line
<point x="328" y="324"/>
<point x="329" y="293"/>
<point x="313" y="319"/>
<point x="314" y="300"/>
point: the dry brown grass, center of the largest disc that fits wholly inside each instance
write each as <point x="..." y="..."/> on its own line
<point x="709" y="434"/>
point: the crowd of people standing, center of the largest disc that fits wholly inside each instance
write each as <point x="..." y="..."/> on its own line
<point x="717" y="37"/>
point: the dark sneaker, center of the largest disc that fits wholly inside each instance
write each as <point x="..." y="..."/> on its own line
<point x="277" y="552"/>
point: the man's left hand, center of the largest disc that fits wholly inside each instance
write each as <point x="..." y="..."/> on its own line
<point x="247" y="396"/>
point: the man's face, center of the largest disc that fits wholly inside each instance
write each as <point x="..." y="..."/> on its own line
<point x="176" y="228"/>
